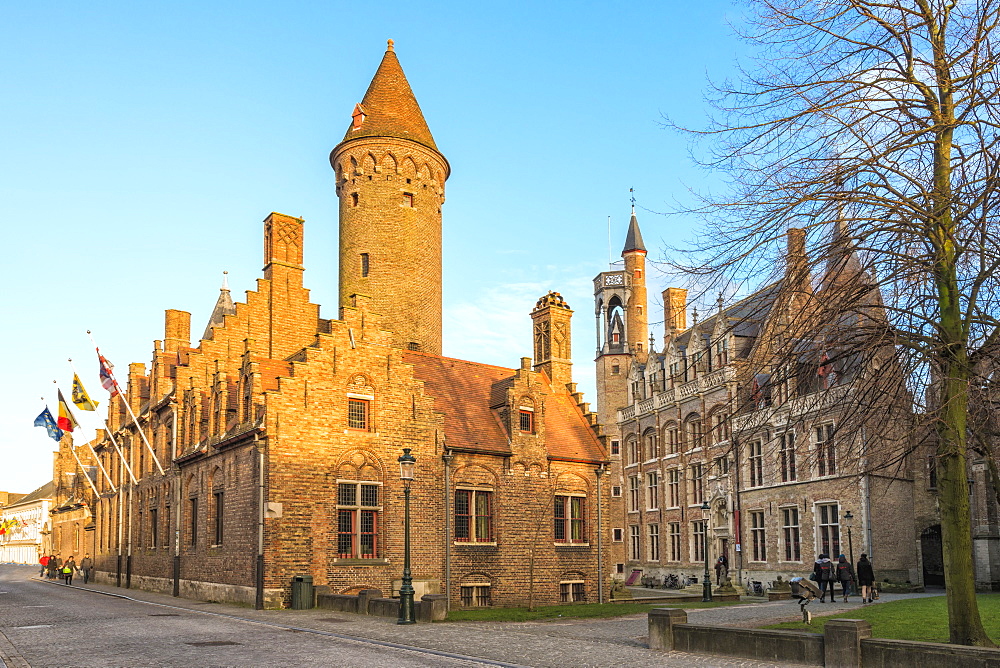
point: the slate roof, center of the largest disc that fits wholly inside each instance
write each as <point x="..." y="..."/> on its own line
<point x="469" y="393"/>
<point x="46" y="491"/>
<point x="633" y="241"/>
<point x="390" y="108"/>
<point x="223" y="306"/>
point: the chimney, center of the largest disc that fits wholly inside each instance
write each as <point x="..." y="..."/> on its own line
<point x="176" y="330"/>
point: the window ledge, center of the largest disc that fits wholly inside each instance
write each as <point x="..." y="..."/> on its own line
<point x="353" y="561"/>
<point x="472" y="543"/>
<point x="571" y="545"/>
<point x="672" y="455"/>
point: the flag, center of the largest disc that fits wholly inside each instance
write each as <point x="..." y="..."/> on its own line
<point x="46" y="420"/>
<point x="107" y="380"/>
<point x="80" y="396"/>
<point x="66" y="421"/>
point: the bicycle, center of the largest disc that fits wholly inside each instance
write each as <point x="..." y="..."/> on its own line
<point x="755" y="588"/>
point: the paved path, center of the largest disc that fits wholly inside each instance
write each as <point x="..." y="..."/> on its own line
<point x="77" y="626"/>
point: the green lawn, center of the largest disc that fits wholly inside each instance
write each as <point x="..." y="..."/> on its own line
<point x="579" y="611"/>
<point x="923" y="619"/>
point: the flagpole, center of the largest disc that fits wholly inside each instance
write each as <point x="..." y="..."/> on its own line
<point x="85" y="474"/>
<point x="128" y="407"/>
<point x="92" y="451"/>
<point x="122" y="456"/>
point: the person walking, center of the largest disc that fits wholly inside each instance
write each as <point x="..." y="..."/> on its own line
<point x="825" y="576"/>
<point x="52" y="568"/>
<point x="68" y="568"/>
<point x="44" y="561"/>
<point x="845" y="575"/>
<point x="86" y="565"/>
<point x="866" y="578"/>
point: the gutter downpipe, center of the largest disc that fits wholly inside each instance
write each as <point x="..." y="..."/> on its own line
<point x="447" y="457"/>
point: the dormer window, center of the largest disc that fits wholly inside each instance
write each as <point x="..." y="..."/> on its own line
<point x="527" y="420"/>
<point x="359" y="117"/>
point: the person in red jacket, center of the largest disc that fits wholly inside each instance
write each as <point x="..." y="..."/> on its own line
<point x="44" y="561"/>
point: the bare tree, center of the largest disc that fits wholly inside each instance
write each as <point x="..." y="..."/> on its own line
<point x="878" y="118"/>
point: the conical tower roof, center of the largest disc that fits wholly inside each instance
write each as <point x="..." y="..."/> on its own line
<point x="633" y="242"/>
<point x="223" y="306"/>
<point x="389" y="108"/>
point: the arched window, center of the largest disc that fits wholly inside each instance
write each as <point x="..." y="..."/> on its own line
<point x="671" y="438"/>
<point x="649" y="445"/>
<point x="693" y="427"/>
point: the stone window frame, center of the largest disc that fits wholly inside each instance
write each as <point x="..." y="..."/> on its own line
<point x="755" y="463"/>
<point x="673" y="484"/>
<point x="574" y="526"/>
<point x="758" y="536"/>
<point x="652" y="490"/>
<point x="357" y="512"/>
<point x="787" y="464"/>
<point x="616" y="448"/>
<point x="475" y="593"/>
<point x="697" y="478"/>
<point x="653" y="536"/>
<point x="572" y="591"/>
<point x="649" y="447"/>
<point x="473" y="516"/>
<point x="791" y="535"/>
<point x="635" y="542"/>
<point x="824" y="442"/>
<point x="827" y="532"/>
<point x="676" y="543"/>
<point x="617" y="535"/>
<point x="698" y="545"/>
<point x="634" y="494"/>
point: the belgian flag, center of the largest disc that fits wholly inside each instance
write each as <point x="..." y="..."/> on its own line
<point x="66" y="420"/>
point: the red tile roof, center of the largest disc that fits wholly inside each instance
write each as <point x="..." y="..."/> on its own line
<point x="467" y="393"/>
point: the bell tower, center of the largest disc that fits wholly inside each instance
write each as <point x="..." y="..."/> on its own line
<point x="390" y="182"/>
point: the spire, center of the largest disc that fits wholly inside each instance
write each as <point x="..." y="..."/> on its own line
<point x="633" y="242"/>
<point x="389" y="108"/>
<point x="223" y="306"/>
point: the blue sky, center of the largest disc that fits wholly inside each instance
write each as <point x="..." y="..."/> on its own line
<point x="143" y="144"/>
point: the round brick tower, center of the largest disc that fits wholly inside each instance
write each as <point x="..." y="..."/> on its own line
<point x="390" y="181"/>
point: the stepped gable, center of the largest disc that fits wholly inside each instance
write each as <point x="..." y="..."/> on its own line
<point x="462" y="392"/>
<point x="389" y="108"/>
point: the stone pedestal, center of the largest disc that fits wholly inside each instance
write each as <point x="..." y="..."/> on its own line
<point x="842" y="642"/>
<point x="661" y="627"/>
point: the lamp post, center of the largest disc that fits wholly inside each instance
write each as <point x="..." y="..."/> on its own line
<point x="407" y="463"/>
<point x="706" y="596"/>
<point x="849" y="522"/>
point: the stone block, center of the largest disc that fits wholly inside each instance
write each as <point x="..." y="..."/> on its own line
<point x="842" y="642"/>
<point x="661" y="627"/>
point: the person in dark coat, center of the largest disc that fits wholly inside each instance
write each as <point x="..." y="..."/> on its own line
<point x="86" y="566"/>
<point x="845" y="575"/>
<point x="825" y="576"/>
<point x="866" y="578"/>
<point x="52" y="568"/>
<point x="68" y="569"/>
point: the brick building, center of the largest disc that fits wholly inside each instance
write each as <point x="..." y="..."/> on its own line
<point x="752" y="410"/>
<point x="279" y="431"/>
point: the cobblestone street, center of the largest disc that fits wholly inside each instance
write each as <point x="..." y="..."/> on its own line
<point x="47" y="625"/>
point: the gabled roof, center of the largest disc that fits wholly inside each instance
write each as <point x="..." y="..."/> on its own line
<point x="46" y="491"/>
<point x="463" y="392"/>
<point x="389" y="108"/>
<point x="467" y="393"/>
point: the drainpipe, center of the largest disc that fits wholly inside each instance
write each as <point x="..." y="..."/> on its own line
<point x="600" y="536"/>
<point x="447" y="457"/>
<point x="177" y="507"/>
<point x="261" y="508"/>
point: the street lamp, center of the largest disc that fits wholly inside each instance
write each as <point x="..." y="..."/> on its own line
<point x="849" y="522"/>
<point x="706" y="596"/>
<point x="407" y="463"/>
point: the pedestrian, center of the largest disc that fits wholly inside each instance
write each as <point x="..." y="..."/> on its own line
<point x="44" y="561"/>
<point x="68" y="568"/>
<point x="825" y="576"/>
<point x="866" y="578"/>
<point x="845" y="575"/>
<point x="86" y="565"/>
<point x="721" y="570"/>
<point x="52" y="568"/>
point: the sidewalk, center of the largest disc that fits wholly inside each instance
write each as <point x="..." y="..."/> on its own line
<point x="558" y="643"/>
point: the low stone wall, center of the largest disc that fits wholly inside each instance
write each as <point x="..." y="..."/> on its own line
<point x="430" y="607"/>
<point x="844" y="643"/>
<point x="197" y="590"/>
<point x="882" y="653"/>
